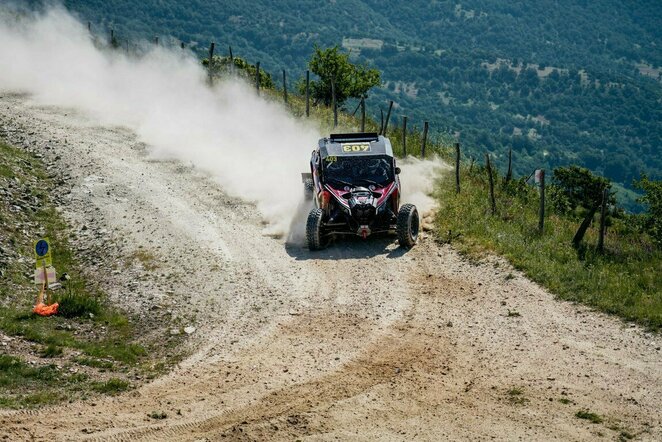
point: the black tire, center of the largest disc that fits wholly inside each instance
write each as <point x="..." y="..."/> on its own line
<point x="408" y="225"/>
<point x="308" y="187"/>
<point x="315" y="230"/>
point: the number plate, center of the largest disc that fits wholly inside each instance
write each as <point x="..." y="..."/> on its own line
<point x="356" y="147"/>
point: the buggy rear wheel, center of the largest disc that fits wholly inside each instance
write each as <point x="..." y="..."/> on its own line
<point x="308" y="187"/>
<point x="315" y="230"/>
<point x="407" y="226"/>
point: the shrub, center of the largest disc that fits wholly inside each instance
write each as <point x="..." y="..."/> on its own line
<point x="75" y="305"/>
<point x="652" y="220"/>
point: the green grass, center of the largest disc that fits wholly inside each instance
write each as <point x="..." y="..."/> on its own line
<point x="23" y="385"/>
<point x="112" y="386"/>
<point x="15" y="372"/>
<point x="46" y="331"/>
<point x="93" y="362"/>
<point x="626" y="280"/>
<point x="516" y="396"/>
<point x="587" y="415"/>
<point x="77" y="305"/>
<point x="157" y="415"/>
<point x="50" y="351"/>
<point x="625" y="435"/>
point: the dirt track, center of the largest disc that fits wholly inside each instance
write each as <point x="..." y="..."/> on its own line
<point x="359" y="342"/>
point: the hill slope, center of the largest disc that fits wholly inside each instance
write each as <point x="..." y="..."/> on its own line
<point x="559" y="81"/>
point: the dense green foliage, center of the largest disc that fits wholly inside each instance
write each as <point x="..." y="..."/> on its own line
<point x="652" y="219"/>
<point x="562" y="81"/>
<point x="334" y="70"/>
<point x="578" y="187"/>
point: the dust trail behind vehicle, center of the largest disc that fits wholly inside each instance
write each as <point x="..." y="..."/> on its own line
<point x="254" y="148"/>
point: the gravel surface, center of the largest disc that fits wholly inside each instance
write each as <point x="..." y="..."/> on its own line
<point x="361" y="341"/>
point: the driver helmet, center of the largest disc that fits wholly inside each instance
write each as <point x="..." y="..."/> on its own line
<point x="376" y="168"/>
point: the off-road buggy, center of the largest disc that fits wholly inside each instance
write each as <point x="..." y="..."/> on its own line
<point x="355" y="187"/>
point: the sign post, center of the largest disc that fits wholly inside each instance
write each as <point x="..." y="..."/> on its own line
<point x="44" y="273"/>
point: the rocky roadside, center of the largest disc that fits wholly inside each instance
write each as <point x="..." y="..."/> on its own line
<point x="79" y="354"/>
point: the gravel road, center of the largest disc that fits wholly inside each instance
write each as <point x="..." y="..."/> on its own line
<point x="362" y="341"/>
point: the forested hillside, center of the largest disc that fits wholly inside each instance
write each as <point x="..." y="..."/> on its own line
<point x="560" y="81"/>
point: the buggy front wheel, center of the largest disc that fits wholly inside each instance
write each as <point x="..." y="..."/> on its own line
<point x="407" y="225"/>
<point x="315" y="230"/>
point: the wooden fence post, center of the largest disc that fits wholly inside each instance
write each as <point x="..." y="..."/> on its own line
<point x="509" y="175"/>
<point x="231" y="60"/>
<point x="457" y="167"/>
<point x="603" y="221"/>
<point x="210" y="65"/>
<point x="89" y="27"/>
<point x="491" y="179"/>
<point x="307" y="93"/>
<point x="426" y="126"/>
<point x="333" y="101"/>
<point x="541" y="211"/>
<point x="257" y="77"/>
<point x="388" y="117"/>
<point x="404" y="136"/>
<point x="182" y="45"/>
<point x="284" y="86"/>
<point x="362" y="114"/>
<point x="112" y="37"/>
<point x="156" y="40"/>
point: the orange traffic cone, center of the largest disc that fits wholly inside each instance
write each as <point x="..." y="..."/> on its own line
<point x="42" y="309"/>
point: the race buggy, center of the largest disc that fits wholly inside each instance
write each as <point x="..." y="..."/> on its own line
<point x="355" y="187"/>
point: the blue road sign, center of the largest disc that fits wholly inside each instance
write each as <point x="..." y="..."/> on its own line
<point x="41" y="248"/>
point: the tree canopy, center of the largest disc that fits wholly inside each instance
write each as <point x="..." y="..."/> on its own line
<point x="580" y="187"/>
<point x="350" y="80"/>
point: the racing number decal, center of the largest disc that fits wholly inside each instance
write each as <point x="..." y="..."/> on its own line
<point x="353" y="148"/>
<point x="331" y="159"/>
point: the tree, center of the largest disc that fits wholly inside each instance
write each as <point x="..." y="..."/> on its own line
<point x="653" y="199"/>
<point x="351" y="80"/>
<point x="582" y="189"/>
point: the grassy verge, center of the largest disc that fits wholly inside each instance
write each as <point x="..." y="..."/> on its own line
<point x="625" y="280"/>
<point x="89" y="347"/>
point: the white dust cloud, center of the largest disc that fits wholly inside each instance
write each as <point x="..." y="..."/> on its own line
<point x="252" y="147"/>
<point x="417" y="180"/>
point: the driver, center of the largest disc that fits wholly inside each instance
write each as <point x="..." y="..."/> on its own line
<point x="376" y="171"/>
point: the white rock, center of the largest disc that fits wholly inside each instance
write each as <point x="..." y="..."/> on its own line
<point x="188" y="330"/>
